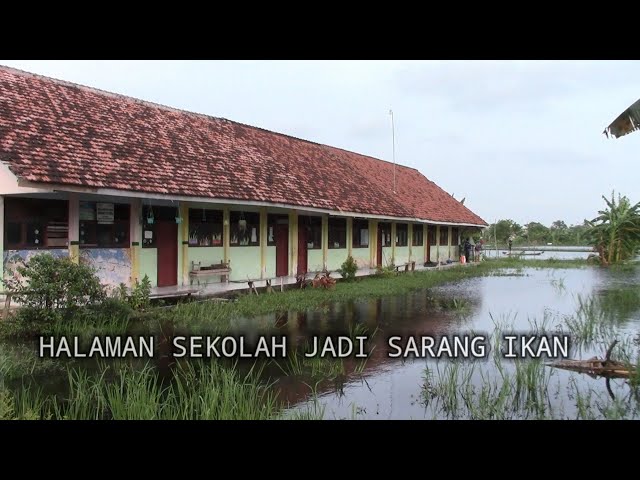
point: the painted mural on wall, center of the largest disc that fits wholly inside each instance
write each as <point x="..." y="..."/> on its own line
<point x="15" y="258"/>
<point x="113" y="265"/>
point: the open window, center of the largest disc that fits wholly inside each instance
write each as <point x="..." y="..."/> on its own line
<point x="205" y="227"/>
<point x="35" y="223"/>
<point x="444" y="235"/>
<point x="337" y="233"/>
<point x="418" y="235"/>
<point x="360" y="233"/>
<point x="402" y="234"/>
<point x="104" y="225"/>
<point x="245" y="229"/>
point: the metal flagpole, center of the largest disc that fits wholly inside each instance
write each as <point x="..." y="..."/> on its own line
<point x="393" y="137"/>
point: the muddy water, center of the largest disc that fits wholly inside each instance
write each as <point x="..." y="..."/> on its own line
<point x="390" y="388"/>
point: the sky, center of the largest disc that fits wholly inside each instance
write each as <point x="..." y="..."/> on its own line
<point x="516" y="139"/>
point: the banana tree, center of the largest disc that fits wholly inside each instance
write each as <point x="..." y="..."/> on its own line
<point x="627" y="122"/>
<point x="615" y="232"/>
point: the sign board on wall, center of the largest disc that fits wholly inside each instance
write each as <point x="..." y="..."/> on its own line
<point x="104" y="212"/>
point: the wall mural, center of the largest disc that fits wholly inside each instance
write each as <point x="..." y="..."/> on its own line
<point x="15" y="258"/>
<point x="113" y="265"/>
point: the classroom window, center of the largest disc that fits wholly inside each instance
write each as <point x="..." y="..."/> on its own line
<point x="337" y="232"/>
<point x="385" y="237"/>
<point x="431" y="234"/>
<point x="245" y="229"/>
<point x="402" y="233"/>
<point x="455" y="236"/>
<point x="444" y="235"/>
<point x="35" y="223"/>
<point x="313" y="230"/>
<point x="273" y="220"/>
<point x="360" y="233"/>
<point x="104" y="225"/>
<point x="205" y="227"/>
<point x="418" y="236"/>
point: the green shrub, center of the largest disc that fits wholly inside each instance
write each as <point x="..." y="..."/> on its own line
<point x="140" y="296"/>
<point x="53" y="288"/>
<point x="349" y="268"/>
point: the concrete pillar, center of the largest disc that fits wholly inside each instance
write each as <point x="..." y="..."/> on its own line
<point x="74" y="227"/>
<point x="450" y="240"/>
<point x="349" y="236"/>
<point x="410" y="240"/>
<point x="263" y="242"/>
<point x="184" y="229"/>
<point x="373" y="243"/>
<point x="437" y="243"/>
<point x="393" y="242"/>
<point x="135" y="237"/>
<point x="226" y="233"/>
<point x="425" y="239"/>
<point x="325" y="240"/>
<point x="293" y="241"/>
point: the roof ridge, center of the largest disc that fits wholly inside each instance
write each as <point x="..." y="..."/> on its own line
<point x="205" y="116"/>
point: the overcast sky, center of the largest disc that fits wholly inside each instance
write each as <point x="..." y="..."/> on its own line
<point x="517" y="139"/>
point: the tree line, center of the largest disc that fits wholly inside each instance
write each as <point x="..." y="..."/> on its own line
<point x="536" y="233"/>
<point x="614" y="233"/>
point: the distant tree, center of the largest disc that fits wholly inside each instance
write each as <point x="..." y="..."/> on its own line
<point x="559" y="225"/>
<point x="502" y="230"/>
<point x="536" y="233"/>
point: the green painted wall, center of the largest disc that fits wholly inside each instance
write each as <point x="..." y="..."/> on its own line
<point x="314" y="260"/>
<point x="387" y="253"/>
<point x="335" y="257"/>
<point x="206" y="255"/>
<point x="402" y="255"/>
<point x="270" y="262"/>
<point x="245" y="263"/>
<point x="361" y="256"/>
<point x="417" y="254"/>
<point x="149" y="264"/>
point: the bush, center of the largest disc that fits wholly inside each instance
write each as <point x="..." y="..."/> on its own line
<point x="140" y="296"/>
<point x="53" y="288"/>
<point x="349" y="268"/>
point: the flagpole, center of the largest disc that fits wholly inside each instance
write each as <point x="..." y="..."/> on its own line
<point x="393" y="139"/>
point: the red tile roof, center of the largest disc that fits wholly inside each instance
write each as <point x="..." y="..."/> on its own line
<point x="57" y="132"/>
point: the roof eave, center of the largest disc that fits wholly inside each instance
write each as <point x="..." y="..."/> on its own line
<point x="257" y="203"/>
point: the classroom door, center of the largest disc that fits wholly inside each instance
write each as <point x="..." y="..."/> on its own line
<point x="167" y="244"/>
<point x="282" y="250"/>
<point x="302" y="250"/>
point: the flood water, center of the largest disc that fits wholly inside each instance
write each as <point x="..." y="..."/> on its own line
<point x="526" y="301"/>
<point x="517" y="301"/>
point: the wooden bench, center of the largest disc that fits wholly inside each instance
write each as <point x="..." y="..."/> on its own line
<point x="199" y="271"/>
<point x="406" y="267"/>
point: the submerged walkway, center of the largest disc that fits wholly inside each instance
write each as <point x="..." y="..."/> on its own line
<point x="221" y="288"/>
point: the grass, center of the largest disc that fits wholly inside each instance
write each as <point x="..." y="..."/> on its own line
<point x="496" y="389"/>
<point x="207" y="391"/>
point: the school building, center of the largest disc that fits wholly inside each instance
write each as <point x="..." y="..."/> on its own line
<point x="135" y="188"/>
